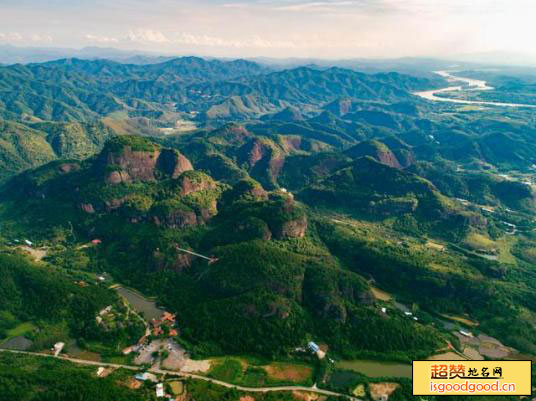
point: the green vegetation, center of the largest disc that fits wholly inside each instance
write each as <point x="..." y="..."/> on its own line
<point x="309" y="187"/>
<point x="28" y="378"/>
<point x="252" y="373"/>
<point x="36" y="296"/>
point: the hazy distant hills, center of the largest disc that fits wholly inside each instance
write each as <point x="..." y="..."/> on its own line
<point x="74" y="89"/>
<point x="23" y="55"/>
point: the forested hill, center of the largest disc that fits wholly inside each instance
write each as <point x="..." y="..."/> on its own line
<point x="73" y="89"/>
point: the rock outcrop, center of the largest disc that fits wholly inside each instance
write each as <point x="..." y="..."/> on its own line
<point x="125" y="162"/>
<point x="294" y="228"/>
<point x="375" y="149"/>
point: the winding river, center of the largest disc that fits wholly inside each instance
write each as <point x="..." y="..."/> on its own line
<point x="470" y="85"/>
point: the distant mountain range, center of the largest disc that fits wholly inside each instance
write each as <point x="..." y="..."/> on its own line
<point x="75" y="89"/>
<point x="23" y="55"/>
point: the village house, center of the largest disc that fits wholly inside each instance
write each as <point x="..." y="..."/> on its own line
<point x="58" y="347"/>
<point x="146" y="377"/>
<point x="160" y="390"/>
<point x="168" y="320"/>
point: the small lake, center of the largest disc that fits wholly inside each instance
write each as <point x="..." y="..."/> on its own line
<point x="141" y="304"/>
<point x="373" y="368"/>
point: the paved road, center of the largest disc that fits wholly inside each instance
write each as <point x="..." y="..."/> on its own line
<point x="189" y="375"/>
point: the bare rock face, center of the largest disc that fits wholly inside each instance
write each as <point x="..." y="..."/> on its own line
<point x="294" y="228"/>
<point x="387" y="157"/>
<point x="117" y="177"/>
<point x="256" y="153"/>
<point x="189" y="185"/>
<point x="173" y="163"/>
<point x="177" y="219"/>
<point x="127" y="165"/>
<point x="68" y="167"/>
<point x="88" y="208"/>
<point x="114" y="204"/>
<point x="377" y="150"/>
<point x="131" y="165"/>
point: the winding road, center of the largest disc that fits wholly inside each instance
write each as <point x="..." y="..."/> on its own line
<point x="189" y="375"/>
<point x="471" y="85"/>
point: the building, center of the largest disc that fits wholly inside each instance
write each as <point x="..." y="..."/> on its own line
<point x="146" y="377"/>
<point x="29" y="243"/>
<point x="106" y="310"/>
<point x="313" y="347"/>
<point x="168" y="317"/>
<point x="57" y="348"/>
<point x="160" y="390"/>
<point x="96" y="242"/>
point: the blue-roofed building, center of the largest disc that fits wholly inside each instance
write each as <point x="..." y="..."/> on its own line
<point x="313" y="347"/>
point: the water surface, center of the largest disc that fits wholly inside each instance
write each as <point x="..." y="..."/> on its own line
<point x="141" y="304"/>
<point x="373" y="368"/>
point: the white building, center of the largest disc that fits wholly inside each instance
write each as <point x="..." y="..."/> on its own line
<point x="160" y="390"/>
<point x="57" y="348"/>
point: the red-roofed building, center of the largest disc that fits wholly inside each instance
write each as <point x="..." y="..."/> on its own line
<point x="168" y="317"/>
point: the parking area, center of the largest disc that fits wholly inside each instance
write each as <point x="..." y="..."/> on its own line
<point x="177" y="355"/>
<point x="145" y="354"/>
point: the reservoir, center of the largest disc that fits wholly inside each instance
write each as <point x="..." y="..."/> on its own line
<point x="373" y="368"/>
<point x="140" y="303"/>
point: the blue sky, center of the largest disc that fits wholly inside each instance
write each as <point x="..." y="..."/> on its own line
<point x="275" y="28"/>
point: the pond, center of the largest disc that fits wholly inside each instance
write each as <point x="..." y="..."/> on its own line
<point x="373" y="368"/>
<point x="141" y="304"/>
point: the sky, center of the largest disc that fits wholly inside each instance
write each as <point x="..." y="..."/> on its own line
<point x="275" y="28"/>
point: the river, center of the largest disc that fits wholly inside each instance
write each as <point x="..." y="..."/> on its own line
<point x="469" y="85"/>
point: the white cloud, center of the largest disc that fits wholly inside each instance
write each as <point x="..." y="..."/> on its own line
<point x="101" y="39"/>
<point x="214" y="41"/>
<point x="11" y="37"/>
<point x="147" y="36"/>
<point x="42" y="38"/>
<point x="318" y="6"/>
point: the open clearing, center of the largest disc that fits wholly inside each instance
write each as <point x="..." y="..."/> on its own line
<point x="462" y="320"/>
<point x="380" y="294"/>
<point x="245" y="372"/>
<point x="476" y="241"/>
<point x="289" y="372"/>
<point x="37" y="254"/>
<point x="21" y="329"/>
<point x="436" y="246"/>
<point x="177" y="387"/>
<point x="377" y="390"/>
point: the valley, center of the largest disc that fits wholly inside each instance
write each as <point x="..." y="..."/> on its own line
<point x="256" y="230"/>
